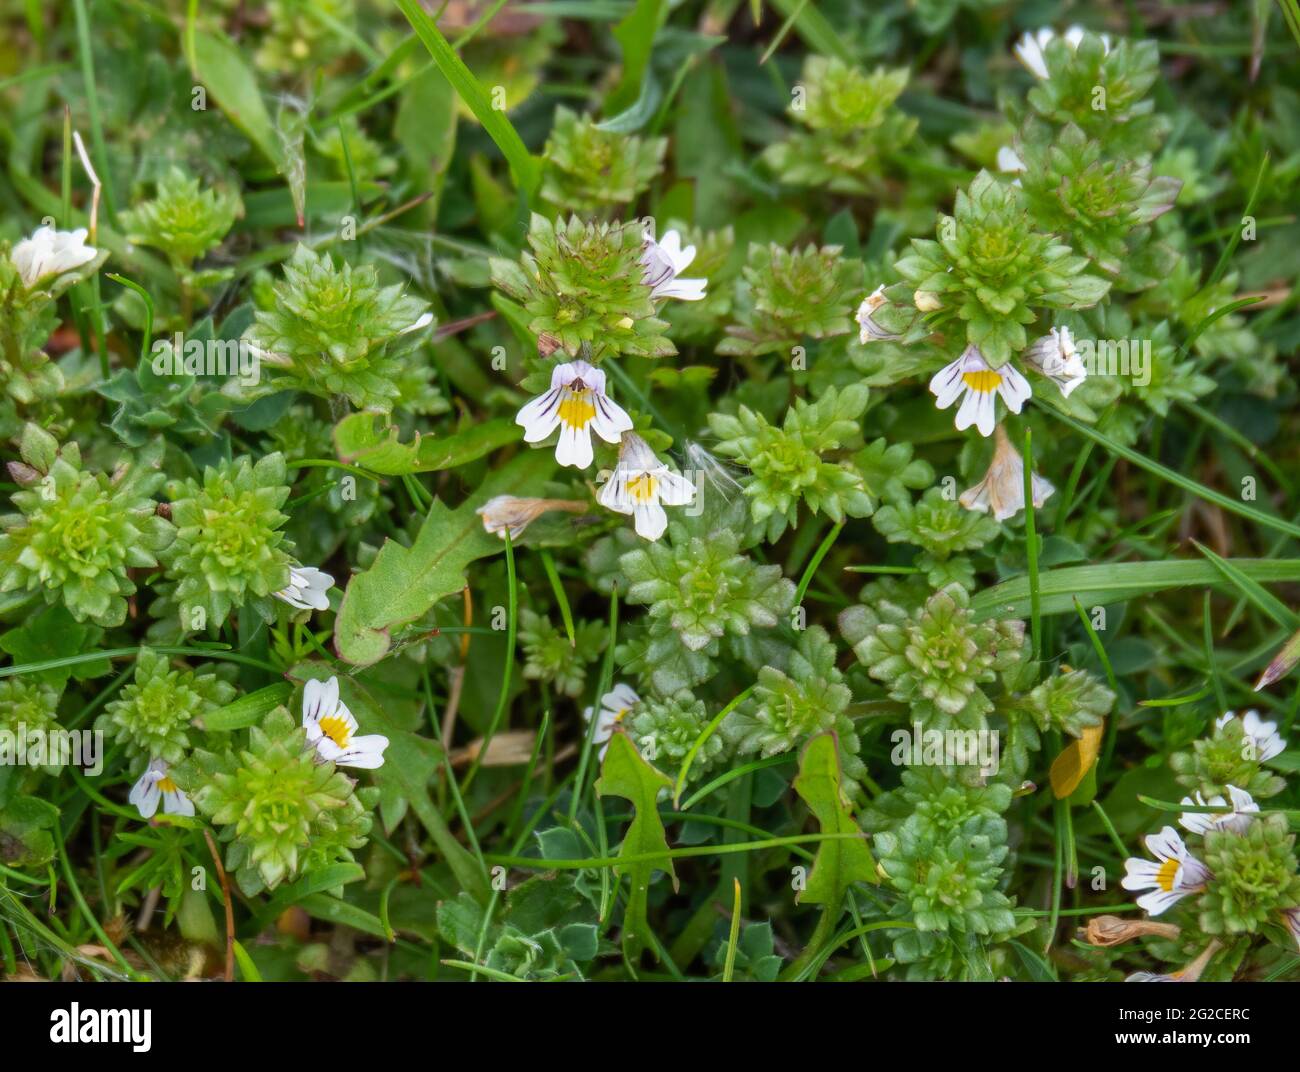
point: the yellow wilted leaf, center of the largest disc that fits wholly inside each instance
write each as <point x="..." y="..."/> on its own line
<point x="1075" y="761"/>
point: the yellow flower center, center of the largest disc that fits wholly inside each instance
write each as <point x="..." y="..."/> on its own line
<point x="641" y="488"/>
<point x="166" y="785"/>
<point x="576" y="408"/>
<point x="982" y="381"/>
<point x="621" y="712"/>
<point x="335" y="728"/>
<point x="1166" y="875"/>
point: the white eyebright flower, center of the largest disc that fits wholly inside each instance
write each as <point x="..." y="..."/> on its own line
<point x="614" y="707"/>
<point x="642" y="485"/>
<point x="331" y="729"/>
<point x="1268" y="742"/>
<point x="1055" y="357"/>
<point x="576" y="404"/>
<point x="1237" y="820"/>
<point x="1032" y="46"/>
<point x="308" y="588"/>
<point x="1170" y="877"/>
<point x="155" y="785"/>
<point x="664" y="261"/>
<point x="976" y="383"/>
<point x="50" y="253"/>
<point x="868" y="329"/>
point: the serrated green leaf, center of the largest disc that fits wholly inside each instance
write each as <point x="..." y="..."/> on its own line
<point x="625" y="774"/>
<point x="841" y="862"/>
<point x="405" y="582"/>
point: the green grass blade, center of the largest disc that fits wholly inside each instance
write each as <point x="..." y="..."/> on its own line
<point x="1262" y="599"/>
<point x="524" y="167"/>
<point x="1031" y="552"/>
<point x="566" y="612"/>
<point x="705" y="734"/>
<point x="1233" y="506"/>
<point x="1106" y="583"/>
<point x="733" y="938"/>
<point x="815" y="28"/>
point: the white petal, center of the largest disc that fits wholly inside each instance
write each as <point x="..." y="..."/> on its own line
<point x="1014" y="388"/>
<point x="613" y="493"/>
<point x="946" y="384"/>
<point x="364" y="753"/>
<point x="1158" y="901"/>
<point x="1192" y="875"/>
<point x="290" y="595"/>
<point x="683" y="289"/>
<point x="588" y="373"/>
<point x="319" y="699"/>
<point x="349" y="720"/>
<point x="610" y="421"/>
<point x="177" y="803"/>
<point x="605" y="724"/>
<point x="680" y="257"/>
<point x="1140" y="874"/>
<point x="574" y="446"/>
<point x="145" y="794"/>
<point x="634" y="454"/>
<point x="1242" y="801"/>
<point x="565" y="373"/>
<point x="1198" y="822"/>
<point x="651" y="521"/>
<point x="422" y="322"/>
<point x="1009" y="160"/>
<point x="1069" y="385"/>
<point x="1029" y="50"/>
<point x="316" y="578"/>
<point x="1166" y="845"/>
<point x="977" y="408"/>
<point x="624" y="695"/>
<point x="316" y="599"/>
<point x="675" y="490"/>
<point x="540" y="416"/>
